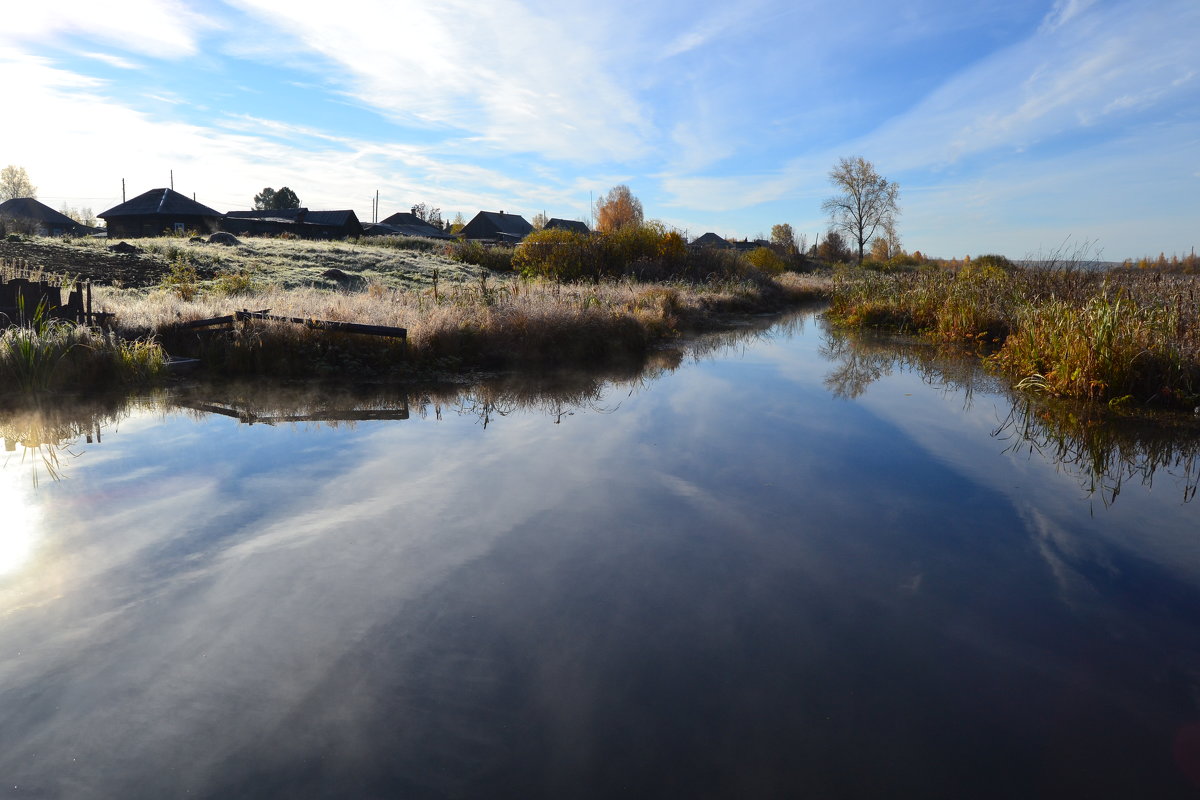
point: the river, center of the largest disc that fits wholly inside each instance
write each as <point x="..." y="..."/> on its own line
<point x="775" y="563"/>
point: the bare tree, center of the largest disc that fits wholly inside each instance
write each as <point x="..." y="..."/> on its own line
<point x="868" y="202"/>
<point x="617" y="209"/>
<point x="429" y="213"/>
<point x="83" y="216"/>
<point x="15" y="183"/>
<point x="539" y="220"/>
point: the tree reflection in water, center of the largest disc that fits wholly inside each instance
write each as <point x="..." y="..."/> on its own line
<point x="1100" y="447"/>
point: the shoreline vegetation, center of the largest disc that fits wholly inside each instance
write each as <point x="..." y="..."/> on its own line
<point x="460" y="318"/>
<point x="1119" y="337"/>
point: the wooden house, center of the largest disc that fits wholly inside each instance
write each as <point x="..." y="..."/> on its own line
<point x="299" y="222"/>
<point x="159" y="211"/>
<point x="573" y="225"/>
<point x="712" y="240"/>
<point x="496" y="226"/>
<point x="405" y="223"/>
<point x="31" y="216"/>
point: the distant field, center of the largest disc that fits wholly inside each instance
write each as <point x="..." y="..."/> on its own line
<point x="277" y="263"/>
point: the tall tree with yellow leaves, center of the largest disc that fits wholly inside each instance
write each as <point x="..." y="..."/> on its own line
<point x="617" y="209"/>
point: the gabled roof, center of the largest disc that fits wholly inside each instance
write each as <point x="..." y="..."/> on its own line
<point x="572" y="225"/>
<point x="425" y="231"/>
<point x="507" y="226"/>
<point x="711" y="240"/>
<point x="409" y="220"/>
<point x="335" y="218"/>
<point x="160" y="201"/>
<point x="30" y="208"/>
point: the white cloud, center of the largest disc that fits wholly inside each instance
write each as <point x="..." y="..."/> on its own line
<point x="112" y="61"/>
<point x="158" y="28"/>
<point x="225" y="162"/>
<point x="1110" y="61"/>
<point x="1063" y="12"/>
<point x="518" y="81"/>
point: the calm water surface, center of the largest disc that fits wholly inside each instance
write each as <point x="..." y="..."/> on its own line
<point x="793" y="566"/>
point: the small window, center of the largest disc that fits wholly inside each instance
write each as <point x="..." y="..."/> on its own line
<point x="180" y="227"/>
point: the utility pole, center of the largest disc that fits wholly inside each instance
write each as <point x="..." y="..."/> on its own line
<point x="122" y="190"/>
<point x="172" y="180"/>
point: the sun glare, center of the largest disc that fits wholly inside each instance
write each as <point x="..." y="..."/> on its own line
<point x="19" y="519"/>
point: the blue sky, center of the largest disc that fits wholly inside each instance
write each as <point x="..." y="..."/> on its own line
<point x="1011" y="125"/>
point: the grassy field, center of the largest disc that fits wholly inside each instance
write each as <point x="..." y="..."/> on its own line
<point x="458" y="316"/>
<point x="281" y="263"/>
<point x="1118" y="336"/>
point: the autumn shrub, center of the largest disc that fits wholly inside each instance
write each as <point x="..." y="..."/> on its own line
<point x="494" y="257"/>
<point x="766" y="260"/>
<point x="561" y="255"/>
<point x="646" y="252"/>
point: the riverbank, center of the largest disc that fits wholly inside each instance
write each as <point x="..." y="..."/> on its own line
<point x="487" y="324"/>
<point x="1118" y="337"/>
<point x="458" y="317"/>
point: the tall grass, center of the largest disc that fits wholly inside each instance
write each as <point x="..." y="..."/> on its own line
<point x="1118" y="337"/>
<point x="46" y="354"/>
<point x="64" y="357"/>
<point x="485" y="324"/>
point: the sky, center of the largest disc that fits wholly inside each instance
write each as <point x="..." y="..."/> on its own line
<point x="1019" y="127"/>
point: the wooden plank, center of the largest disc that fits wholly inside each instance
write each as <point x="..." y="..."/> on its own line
<point x="342" y="327"/>
<point x="208" y="323"/>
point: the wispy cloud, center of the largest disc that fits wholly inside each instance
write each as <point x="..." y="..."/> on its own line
<point x="517" y="80"/>
<point x="112" y="61"/>
<point x="1063" y="12"/>
<point x="1059" y="80"/>
<point x="159" y="28"/>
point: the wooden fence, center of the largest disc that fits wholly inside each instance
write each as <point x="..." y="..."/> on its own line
<point x="27" y="295"/>
<point x="319" y="324"/>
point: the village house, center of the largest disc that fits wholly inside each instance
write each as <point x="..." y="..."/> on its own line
<point x="28" y="215"/>
<point x="299" y="222"/>
<point x="404" y="223"/>
<point x="496" y="226"/>
<point x="159" y="211"/>
<point x="712" y="240"/>
<point x="573" y="225"/>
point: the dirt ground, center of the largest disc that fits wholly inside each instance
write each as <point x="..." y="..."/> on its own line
<point x="95" y="264"/>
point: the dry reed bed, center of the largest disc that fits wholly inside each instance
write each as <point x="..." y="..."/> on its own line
<point x="1116" y="336"/>
<point x="483" y="324"/>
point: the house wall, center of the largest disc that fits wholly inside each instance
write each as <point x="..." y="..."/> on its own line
<point x="148" y="225"/>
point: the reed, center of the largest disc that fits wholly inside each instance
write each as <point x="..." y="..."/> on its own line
<point x="62" y="356"/>
<point x="1116" y="337"/>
